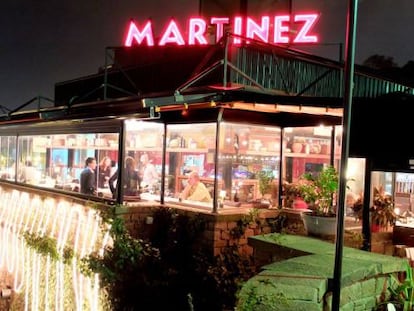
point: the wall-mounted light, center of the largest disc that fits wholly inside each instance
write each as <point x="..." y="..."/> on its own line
<point x="184" y="111"/>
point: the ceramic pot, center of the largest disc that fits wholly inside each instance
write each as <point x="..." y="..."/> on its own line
<point x="297" y="147"/>
<point x="319" y="225"/>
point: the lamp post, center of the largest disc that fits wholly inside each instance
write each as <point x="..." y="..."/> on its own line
<point x="347" y="103"/>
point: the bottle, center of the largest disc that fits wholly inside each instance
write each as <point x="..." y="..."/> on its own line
<point x="182" y="142"/>
<point x="236" y="196"/>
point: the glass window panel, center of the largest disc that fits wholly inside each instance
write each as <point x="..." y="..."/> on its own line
<point x="143" y="160"/>
<point x="56" y="161"/>
<point x="355" y="176"/>
<point x="249" y="163"/>
<point x="307" y="150"/>
<point x="8" y="157"/>
<point x="190" y="148"/>
<point x="31" y="158"/>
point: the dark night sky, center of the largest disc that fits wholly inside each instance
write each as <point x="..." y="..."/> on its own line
<point x="48" y="41"/>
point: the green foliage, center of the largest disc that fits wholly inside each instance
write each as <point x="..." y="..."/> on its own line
<point x="382" y="211"/>
<point x="401" y="291"/>
<point x="255" y="296"/>
<point x="241" y="225"/>
<point x="124" y="268"/>
<point x="106" y="212"/>
<point x="166" y="271"/>
<point x="169" y="271"/>
<point x="279" y="223"/>
<point x="291" y="191"/>
<point x="265" y="181"/>
<point x="48" y="277"/>
<point x="44" y="245"/>
<point x="318" y="190"/>
<point x="223" y="278"/>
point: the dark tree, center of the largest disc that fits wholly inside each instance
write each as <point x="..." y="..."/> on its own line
<point x="380" y="62"/>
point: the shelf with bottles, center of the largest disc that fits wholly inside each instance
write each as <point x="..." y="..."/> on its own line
<point x="249" y="158"/>
<point x="262" y="153"/>
<point x="81" y="141"/>
<point x="404" y="183"/>
<point x="142" y="149"/>
<point x="308" y="155"/>
<point x="187" y="150"/>
<point x="89" y="147"/>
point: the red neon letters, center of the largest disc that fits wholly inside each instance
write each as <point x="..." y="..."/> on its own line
<point x="278" y="29"/>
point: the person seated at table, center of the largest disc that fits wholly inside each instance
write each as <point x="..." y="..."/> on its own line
<point x="195" y="189"/>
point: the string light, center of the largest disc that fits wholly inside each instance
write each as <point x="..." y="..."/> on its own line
<point x="72" y="225"/>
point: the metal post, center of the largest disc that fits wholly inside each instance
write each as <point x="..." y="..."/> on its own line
<point x="366" y="221"/>
<point x="120" y="171"/>
<point x="280" y="202"/>
<point x="347" y="102"/>
<point x="225" y="60"/>
<point x="216" y="161"/>
<point x="164" y="155"/>
<point x="333" y="141"/>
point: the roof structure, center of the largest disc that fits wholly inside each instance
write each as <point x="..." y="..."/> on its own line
<point x="261" y="83"/>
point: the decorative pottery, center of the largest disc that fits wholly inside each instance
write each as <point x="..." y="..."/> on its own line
<point x="297" y="147"/>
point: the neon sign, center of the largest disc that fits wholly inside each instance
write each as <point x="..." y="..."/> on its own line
<point x="276" y="29"/>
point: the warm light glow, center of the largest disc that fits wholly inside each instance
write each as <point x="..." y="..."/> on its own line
<point x="260" y="31"/>
<point x="222" y="194"/>
<point x="73" y="226"/>
<point x="284" y="30"/>
<point x="309" y="21"/>
<point x="351" y="171"/>
<point x="137" y="36"/>
<point x="219" y="22"/>
<point x="281" y="27"/>
<point x="172" y="35"/>
<point x="197" y="29"/>
<point x="237" y="29"/>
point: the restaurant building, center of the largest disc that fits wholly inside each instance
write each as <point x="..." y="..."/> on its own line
<point x="233" y="112"/>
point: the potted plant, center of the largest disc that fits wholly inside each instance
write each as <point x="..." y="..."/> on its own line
<point x="291" y="193"/>
<point x="265" y="186"/>
<point x="382" y="210"/>
<point x="318" y="191"/>
<point x="358" y="207"/>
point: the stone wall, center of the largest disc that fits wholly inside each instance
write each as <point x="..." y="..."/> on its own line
<point x="218" y="227"/>
<point x="300" y="276"/>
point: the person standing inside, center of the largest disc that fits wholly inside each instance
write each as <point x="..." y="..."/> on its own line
<point x="87" y="177"/>
<point x="130" y="179"/>
<point x="149" y="174"/>
<point x="29" y="175"/>
<point x="104" y="172"/>
<point x="195" y="189"/>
